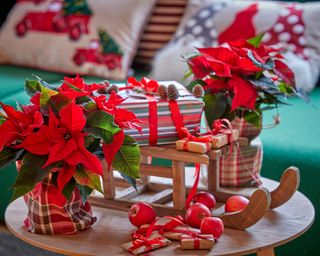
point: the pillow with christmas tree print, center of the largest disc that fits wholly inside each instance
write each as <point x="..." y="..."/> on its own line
<point x="293" y="27"/>
<point x="86" y="37"/>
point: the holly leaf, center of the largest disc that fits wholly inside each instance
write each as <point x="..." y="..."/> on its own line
<point x="31" y="172"/>
<point x="85" y="192"/>
<point x="9" y="155"/>
<point x="88" y="178"/>
<point x="127" y="159"/>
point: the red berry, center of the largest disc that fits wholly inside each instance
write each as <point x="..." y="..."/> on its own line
<point x="196" y="213"/>
<point x="213" y="226"/>
<point x="141" y="213"/>
<point x="205" y="198"/>
<point x="236" y="203"/>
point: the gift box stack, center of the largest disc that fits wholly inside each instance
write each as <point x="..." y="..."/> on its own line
<point x="163" y="128"/>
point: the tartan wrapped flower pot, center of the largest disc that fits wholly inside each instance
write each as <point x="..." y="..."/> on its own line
<point x="246" y="129"/>
<point x="49" y="212"/>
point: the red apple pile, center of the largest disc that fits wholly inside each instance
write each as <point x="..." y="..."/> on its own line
<point x="198" y="215"/>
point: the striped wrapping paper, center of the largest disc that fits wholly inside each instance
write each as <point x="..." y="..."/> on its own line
<point x="190" y="107"/>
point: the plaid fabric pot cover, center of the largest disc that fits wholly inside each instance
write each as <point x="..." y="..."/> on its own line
<point x="50" y="213"/>
<point x="242" y="167"/>
<point x="246" y="129"/>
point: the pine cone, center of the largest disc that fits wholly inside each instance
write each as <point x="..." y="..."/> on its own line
<point x="172" y="92"/>
<point x="198" y="91"/>
<point x="162" y="91"/>
<point x="105" y="85"/>
<point x="112" y="88"/>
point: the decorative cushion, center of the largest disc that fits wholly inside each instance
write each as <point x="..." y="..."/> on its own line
<point x="293" y="26"/>
<point x="160" y="29"/>
<point x="93" y="37"/>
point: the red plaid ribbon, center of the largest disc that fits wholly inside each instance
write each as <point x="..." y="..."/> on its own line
<point x="50" y="213"/>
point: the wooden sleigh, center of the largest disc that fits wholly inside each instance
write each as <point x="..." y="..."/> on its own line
<point x="169" y="199"/>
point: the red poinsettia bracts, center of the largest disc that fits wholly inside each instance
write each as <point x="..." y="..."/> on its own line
<point x="122" y="117"/>
<point x="18" y="124"/>
<point x="63" y="139"/>
<point x="76" y="87"/>
<point x="232" y="67"/>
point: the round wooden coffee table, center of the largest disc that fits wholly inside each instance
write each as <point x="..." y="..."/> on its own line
<point x="112" y="229"/>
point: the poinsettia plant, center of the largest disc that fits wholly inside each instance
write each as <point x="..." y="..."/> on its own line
<point x="241" y="78"/>
<point x="66" y="131"/>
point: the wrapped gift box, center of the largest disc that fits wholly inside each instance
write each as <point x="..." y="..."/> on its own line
<point x="190" y="108"/>
<point x="193" y="146"/>
<point x="178" y="232"/>
<point x="201" y="242"/>
<point x="221" y="140"/>
<point x="140" y="246"/>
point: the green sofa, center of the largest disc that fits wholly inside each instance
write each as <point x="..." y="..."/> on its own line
<point x="296" y="141"/>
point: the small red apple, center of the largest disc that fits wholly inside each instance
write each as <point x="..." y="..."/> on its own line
<point x="196" y="213"/>
<point x="236" y="203"/>
<point x="205" y="198"/>
<point x="141" y="213"/>
<point x="212" y="225"/>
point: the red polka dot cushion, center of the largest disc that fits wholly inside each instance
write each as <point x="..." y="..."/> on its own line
<point x="86" y="37"/>
<point x="295" y="27"/>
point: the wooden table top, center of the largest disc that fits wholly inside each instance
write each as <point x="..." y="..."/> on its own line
<point x="113" y="228"/>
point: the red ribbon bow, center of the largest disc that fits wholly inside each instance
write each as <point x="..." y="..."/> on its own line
<point x="189" y="137"/>
<point x="140" y="240"/>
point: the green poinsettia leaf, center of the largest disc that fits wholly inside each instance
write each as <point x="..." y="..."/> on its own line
<point x="34" y="86"/>
<point x="69" y="188"/>
<point x="9" y="155"/>
<point x="127" y="159"/>
<point x="90" y="106"/>
<point x="104" y="121"/>
<point x="215" y="106"/>
<point x="253" y="117"/>
<point x="2" y="120"/>
<point x="58" y="101"/>
<point x="82" y="99"/>
<point x="88" y="178"/>
<point x="92" y="143"/>
<point x="85" y="192"/>
<point x="46" y="84"/>
<point x="31" y="172"/>
<point x="130" y="180"/>
<point x="255" y="41"/>
<point x="285" y="88"/>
